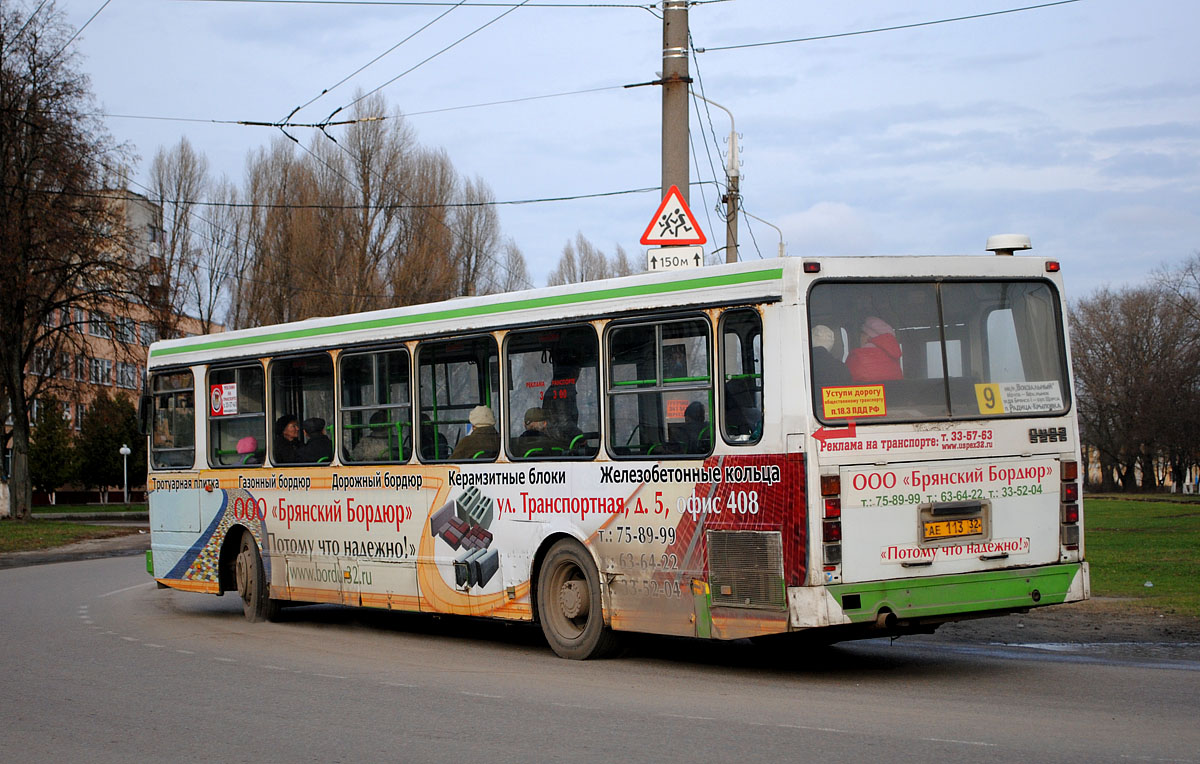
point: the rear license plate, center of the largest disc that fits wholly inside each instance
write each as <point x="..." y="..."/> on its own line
<point x="947" y="529"/>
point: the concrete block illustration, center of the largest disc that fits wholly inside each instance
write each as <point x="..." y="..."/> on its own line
<point x="486" y="566"/>
<point x="475" y="507"/>
<point x="441" y="518"/>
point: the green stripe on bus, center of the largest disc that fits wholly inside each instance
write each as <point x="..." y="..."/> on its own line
<point x="962" y="593"/>
<point x="770" y="274"/>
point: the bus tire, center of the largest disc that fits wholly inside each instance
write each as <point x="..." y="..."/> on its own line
<point x="568" y="599"/>
<point x="252" y="582"/>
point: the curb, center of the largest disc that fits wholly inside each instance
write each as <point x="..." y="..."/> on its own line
<point x="129" y="545"/>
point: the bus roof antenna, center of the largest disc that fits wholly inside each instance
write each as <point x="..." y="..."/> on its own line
<point x="1007" y="243"/>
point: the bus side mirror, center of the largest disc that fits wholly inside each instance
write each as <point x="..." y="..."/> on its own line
<point x="145" y="413"/>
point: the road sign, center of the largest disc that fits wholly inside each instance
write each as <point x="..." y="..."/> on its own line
<point x="674" y="258"/>
<point x="673" y="224"/>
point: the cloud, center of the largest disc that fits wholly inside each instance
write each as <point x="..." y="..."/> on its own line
<point x="827" y="228"/>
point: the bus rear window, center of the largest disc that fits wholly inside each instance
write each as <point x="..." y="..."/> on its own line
<point x="936" y="350"/>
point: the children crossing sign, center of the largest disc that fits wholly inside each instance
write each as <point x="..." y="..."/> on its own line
<point x="673" y="224"/>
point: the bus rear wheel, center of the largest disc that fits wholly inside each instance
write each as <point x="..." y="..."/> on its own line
<point x="568" y="599"/>
<point x="252" y="582"/>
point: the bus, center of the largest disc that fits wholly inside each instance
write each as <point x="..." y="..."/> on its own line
<point x="842" y="446"/>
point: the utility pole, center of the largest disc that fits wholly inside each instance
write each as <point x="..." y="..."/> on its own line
<point x="675" y="82"/>
<point x="733" y="175"/>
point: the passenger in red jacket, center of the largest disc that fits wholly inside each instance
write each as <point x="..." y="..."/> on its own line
<point x="877" y="359"/>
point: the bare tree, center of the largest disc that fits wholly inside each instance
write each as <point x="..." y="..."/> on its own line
<point x="476" y="236"/>
<point x="62" y="249"/>
<point x="511" y="273"/>
<point x="1137" y="368"/>
<point x="178" y="181"/>
<point x="583" y="261"/>
<point x="220" y="242"/>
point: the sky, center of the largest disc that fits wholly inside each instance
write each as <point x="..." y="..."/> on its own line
<point x="1077" y="124"/>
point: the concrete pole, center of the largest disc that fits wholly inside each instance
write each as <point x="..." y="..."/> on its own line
<point x="675" y="81"/>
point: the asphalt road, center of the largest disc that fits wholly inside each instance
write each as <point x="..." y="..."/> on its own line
<point x="101" y="665"/>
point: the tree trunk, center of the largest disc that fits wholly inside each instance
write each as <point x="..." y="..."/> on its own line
<point x="20" y="489"/>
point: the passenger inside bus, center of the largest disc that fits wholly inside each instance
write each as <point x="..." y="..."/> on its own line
<point x="483" y="442"/>
<point x="374" y="446"/>
<point x="318" y="447"/>
<point x="536" y="441"/>
<point x="877" y="358"/>
<point x="247" y="449"/>
<point x="287" y="440"/>
<point x="828" y="369"/>
<point x="695" y="435"/>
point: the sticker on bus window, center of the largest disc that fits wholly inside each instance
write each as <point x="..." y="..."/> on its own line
<point x="853" y="402"/>
<point x="1019" y="397"/>
<point x="223" y="399"/>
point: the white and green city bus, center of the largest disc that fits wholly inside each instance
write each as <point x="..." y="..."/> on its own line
<point x="735" y="451"/>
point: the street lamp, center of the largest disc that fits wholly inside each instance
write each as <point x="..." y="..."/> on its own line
<point x="125" y="452"/>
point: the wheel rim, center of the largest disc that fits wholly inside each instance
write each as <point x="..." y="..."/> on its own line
<point x="245" y="573"/>
<point x="571" y="595"/>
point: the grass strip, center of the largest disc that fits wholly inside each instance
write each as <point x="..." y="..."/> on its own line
<point x="34" y="534"/>
<point x="1130" y="542"/>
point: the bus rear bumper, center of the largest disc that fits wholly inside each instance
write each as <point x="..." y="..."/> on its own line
<point x="938" y="598"/>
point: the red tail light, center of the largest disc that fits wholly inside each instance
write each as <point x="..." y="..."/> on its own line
<point x="1070" y="470"/>
<point x="831" y="485"/>
<point x="833" y="508"/>
<point x="833" y="532"/>
<point x="1070" y="513"/>
<point x="1070" y="492"/>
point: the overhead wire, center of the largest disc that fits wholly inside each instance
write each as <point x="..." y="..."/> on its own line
<point x="360" y="69"/>
<point x="427" y="59"/>
<point x="78" y="31"/>
<point x="884" y="29"/>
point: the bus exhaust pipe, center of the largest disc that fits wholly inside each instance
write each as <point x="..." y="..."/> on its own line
<point x="885" y="621"/>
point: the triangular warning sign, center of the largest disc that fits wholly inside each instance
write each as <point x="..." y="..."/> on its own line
<point x="673" y="224"/>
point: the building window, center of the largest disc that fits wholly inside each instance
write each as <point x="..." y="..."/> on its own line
<point x="100" y="371"/>
<point x="149" y="334"/>
<point x="99" y="325"/>
<point x="126" y="330"/>
<point x="128" y="375"/>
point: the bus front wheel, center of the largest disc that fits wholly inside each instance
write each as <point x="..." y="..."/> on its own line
<point x="252" y="582"/>
<point x="568" y="600"/>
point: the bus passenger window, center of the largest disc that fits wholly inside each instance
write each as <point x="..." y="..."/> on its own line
<point x="457" y="382"/>
<point x="741" y="376"/>
<point x="236" y="420"/>
<point x="173" y="429"/>
<point x="554" y="393"/>
<point x="376" y="408"/>
<point x="302" y="405"/>
<point x="660" y="389"/>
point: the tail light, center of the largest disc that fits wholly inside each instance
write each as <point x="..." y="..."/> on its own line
<point x="831" y="526"/>
<point x="1069" y="506"/>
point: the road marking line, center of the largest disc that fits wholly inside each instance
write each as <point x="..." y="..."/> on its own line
<point x="961" y="742"/>
<point x="127" y="588"/>
<point x="810" y="729"/>
<point x="696" y="718"/>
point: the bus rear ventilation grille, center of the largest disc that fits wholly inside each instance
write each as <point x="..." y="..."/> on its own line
<point x="745" y="569"/>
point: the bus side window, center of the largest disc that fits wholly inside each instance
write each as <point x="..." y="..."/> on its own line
<point x="236" y="418"/>
<point x="553" y="395"/>
<point x="741" y="377"/>
<point x="376" y="407"/>
<point x="302" y="391"/>
<point x="454" y="378"/>
<point x="172" y="421"/>
<point x="660" y="389"/>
